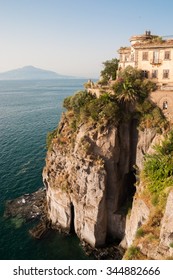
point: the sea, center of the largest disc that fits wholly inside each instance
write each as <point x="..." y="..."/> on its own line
<point x="28" y="111"/>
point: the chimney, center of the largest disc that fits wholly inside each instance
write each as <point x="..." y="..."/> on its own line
<point x="147" y="33"/>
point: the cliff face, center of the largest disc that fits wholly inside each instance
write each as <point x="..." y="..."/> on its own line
<point x="89" y="181"/>
<point x="147" y="227"/>
<point x="156" y="240"/>
<point x="86" y="177"/>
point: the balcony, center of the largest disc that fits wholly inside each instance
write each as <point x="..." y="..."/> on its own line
<point x="155" y="61"/>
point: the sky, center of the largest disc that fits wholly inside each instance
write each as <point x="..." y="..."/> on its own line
<point x="74" y="37"/>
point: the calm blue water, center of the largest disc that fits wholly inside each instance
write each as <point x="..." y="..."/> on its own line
<point x="28" y="110"/>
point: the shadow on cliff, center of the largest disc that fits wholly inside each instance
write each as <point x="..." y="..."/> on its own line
<point x="129" y="181"/>
<point x="128" y="139"/>
<point x="72" y="227"/>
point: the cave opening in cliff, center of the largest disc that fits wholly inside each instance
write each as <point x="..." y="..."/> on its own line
<point x="129" y="187"/>
<point x="72" y="227"/>
<point x="131" y="181"/>
<point x="129" y="184"/>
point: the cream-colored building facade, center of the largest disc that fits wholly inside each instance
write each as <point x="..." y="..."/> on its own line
<point x="153" y="55"/>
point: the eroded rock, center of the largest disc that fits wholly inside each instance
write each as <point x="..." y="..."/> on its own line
<point x="27" y="207"/>
<point x="85" y="179"/>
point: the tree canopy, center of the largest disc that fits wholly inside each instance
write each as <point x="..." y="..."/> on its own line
<point x="110" y="70"/>
<point x="131" y="86"/>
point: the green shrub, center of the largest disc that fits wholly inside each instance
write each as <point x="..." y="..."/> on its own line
<point x="129" y="101"/>
<point x="131" y="90"/>
<point x="155" y="199"/>
<point x="50" y="136"/>
<point x="78" y="100"/>
<point x="109" y="71"/>
<point x="140" y="232"/>
<point x="131" y="86"/>
<point x="103" y="108"/>
<point x="158" y="167"/>
<point x="86" y="106"/>
<point x="67" y="103"/>
<point x="132" y="252"/>
<point x="150" y="116"/>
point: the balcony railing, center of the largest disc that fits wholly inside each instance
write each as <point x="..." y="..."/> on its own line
<point x="155" y="61"/>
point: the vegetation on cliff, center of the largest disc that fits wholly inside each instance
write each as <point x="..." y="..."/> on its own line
<point x="109" y="73"/>
<point x="131" y="86"/>
<point x="50" y="136"/>
<point x="156" y="180"/>
<point x="86" y="106"/>
<point x="87" y="117"/>
<point x="158" y="167"/>
<point x="129" y="101"/>
<point x="132" y="92"/>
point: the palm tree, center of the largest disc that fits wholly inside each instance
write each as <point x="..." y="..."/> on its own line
<point x="131" y="87"/>
<point x="127" y="94"/>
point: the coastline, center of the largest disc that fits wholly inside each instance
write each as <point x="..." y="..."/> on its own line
<point x="32" y="207"/>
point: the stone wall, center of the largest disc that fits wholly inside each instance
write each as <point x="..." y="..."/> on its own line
<point x="164" y="99"/>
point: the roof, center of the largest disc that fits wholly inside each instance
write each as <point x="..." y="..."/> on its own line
<point x="143" y="37"/>
<point x="124" y="50"/>
<point x="158" y="43"/>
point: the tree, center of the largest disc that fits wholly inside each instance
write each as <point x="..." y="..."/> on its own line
<point x="110" y="70"/>
<point x="132" y="87"/>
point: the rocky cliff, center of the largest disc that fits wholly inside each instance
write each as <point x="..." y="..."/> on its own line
<point x="149" y="225"/>
<point x="93" y="176"/>
<point x="86" y="177"/>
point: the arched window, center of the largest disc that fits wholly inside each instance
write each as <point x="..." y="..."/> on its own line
<point x="145" y="74"/>
<point x="165" y="105"/>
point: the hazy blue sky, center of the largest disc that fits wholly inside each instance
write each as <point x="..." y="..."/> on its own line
<point x="75" y="36"/>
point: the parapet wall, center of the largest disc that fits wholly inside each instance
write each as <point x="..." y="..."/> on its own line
<point x="98" y="91"/>
<point x="164" y="99"/>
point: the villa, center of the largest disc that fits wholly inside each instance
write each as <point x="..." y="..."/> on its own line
<point x="153" y="55"/>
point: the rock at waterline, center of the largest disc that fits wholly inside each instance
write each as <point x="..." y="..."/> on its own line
<point x="39" y="231"/>
<point x="27" y="207"/>
<point x="110" y="252"/>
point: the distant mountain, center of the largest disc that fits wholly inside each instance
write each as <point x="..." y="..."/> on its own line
<point x="31" y="73"/>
